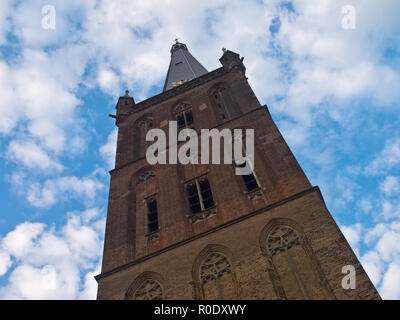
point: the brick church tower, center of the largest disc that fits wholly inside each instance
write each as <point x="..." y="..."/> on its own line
<point x="199" y="231"/>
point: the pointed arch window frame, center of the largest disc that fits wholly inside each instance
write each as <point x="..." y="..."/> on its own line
<point x="141" y="281"/>
<point x="217" y="272"/>
<point x="218" y="97"/>
<point x="197" y="285"/>
<point x="183" y="111"/>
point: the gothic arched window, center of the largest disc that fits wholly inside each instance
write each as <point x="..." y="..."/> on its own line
<point x="200" y="198"/>
<point x="292" y="260"/>
<point x="218" y="95"/>
<point x="282" y="238"/>
<point x="150" y="289"/>
<point x="215" y="276"/>
<point x="184" y="115"/>
<point x="143" y="125"/>
<point x="249" y="180"/>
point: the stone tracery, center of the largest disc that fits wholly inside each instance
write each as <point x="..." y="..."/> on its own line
<point x="150" y="289"/>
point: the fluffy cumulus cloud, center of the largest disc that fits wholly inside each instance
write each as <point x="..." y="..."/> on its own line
<point x="5" y="262"/>
<point x="51" y="191"/>
<point x="390" y="185"/>
<point x="388" y="158"/>
<point x="352" y="234"/>
<point x="380" y="254"/>
<point x="5" y="8"/>
<point x="330" y="90"/>
<point x="39" y="98"/>
<point x="50" y="263"/>
<point x="311" y="61"/>
<point x="326" y="67"/>
<point x="381" y="262"/>
<point x="109" y="149"/>
<point x="30" y="155"/>
<point x="108" y="81"/>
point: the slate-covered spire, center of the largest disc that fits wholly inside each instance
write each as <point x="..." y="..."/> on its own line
<point x="183" y="66"/>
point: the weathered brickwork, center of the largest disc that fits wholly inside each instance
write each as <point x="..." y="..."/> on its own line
<point x="234" y="251"/>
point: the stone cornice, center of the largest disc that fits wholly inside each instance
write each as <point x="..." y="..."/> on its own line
<point x="178" y="90"/>
<point x="215" y="229"/>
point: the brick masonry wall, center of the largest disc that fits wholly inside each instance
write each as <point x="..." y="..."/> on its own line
<point x="277" y="170"/>
<point x="255" y="276"/>
<point x="305" y="212"/>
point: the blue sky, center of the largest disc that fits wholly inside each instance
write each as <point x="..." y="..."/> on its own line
<point x="333" y="92"/>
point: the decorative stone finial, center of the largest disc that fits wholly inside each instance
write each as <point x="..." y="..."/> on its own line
<point x="126" y="93"/>
<point x="223" y="50"/>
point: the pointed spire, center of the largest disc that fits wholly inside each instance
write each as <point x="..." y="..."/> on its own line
<point x="183" y="66"/>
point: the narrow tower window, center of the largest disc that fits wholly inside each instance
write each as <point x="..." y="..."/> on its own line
<point x="249" y="180"/>
<point x="199" y="195"/>
<point x="184" y="115"/>
<point x="144" y="125"/>
<point x="221" y="104"/>
<point x="152" y="215"/>
<point x="184" y="119"/>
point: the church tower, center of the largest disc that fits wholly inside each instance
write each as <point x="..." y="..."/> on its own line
<point x="199" y="231"/>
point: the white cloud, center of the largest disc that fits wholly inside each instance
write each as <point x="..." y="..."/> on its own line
<point x="387" y="159"/>
<point x="20" y="241"/>
<point x="49" y="261"/>
<point x="27" y="282"/>
<point x="77" y="145"/>
<point x="391" y="281"/>
<point x="82" y="239"/>
<point x="138" y="57"/>
<point x="327" y="67"/>
<point x="365" y="205"/>
<point x="294" y="133"/>
<point x="31" y="156"/>
<point x="352" y="234"/>
<point x="381" y="261"/>
<point x="5" y="10"/>
<point x="47" y="193"/>
<point x="39" y="106"/>
<point x="53" y="190"/>
<point x="5" y="262"/>
<point x="347" y="189"/>
<point x="326" y="61"/>
<point x="108" y="150"/>
<point x="140" y="53"/>
<point x="9" y="116"/>
<point x="310" y="69"/>
<point x="89" y="215"/>
<point x="27" y="22"/>
<point x="390" y="185"/>
<point x="390" y="209"/>
<point x="109" y="81"/>
<point x="89" y="291"/>
<point x="387" y="245"/>
<point x="373" y="266"/>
